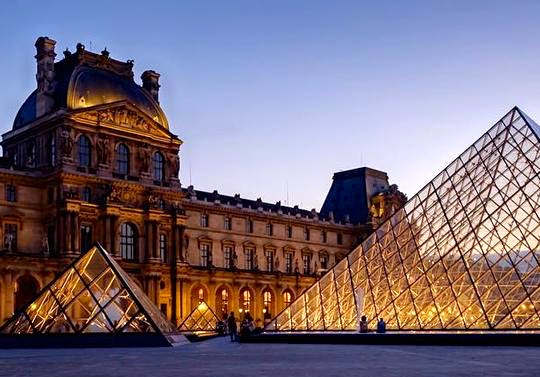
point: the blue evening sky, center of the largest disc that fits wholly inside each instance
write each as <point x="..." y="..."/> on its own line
<point x="274" y="94"/>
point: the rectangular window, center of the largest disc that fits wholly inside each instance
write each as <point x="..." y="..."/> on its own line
<point x="11" y="193"/>
<point x="227" y="222"/>
<point x="289" y="263"/>
<point x="339" y="239"/>
<point x="250" y="259"/>
<point x="289" y="231"/>
<point x="323" y="236"/>
<point x="163" y="247"/>
<point x="10" y="237"/>
<point x="249" y="225"/>
<point x="324" y="261"/>
<point x="307" y="263"/>
<point x="227" y="256"/>
<point x="270" y="229"/>
<point x="306" y="233"/>
<point x="86" y="237"/>
<point x="204" y="220"/>
<point x="205" y="255"/>
<point x="269" y="256"/>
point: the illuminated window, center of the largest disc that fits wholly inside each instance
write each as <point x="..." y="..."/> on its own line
<point x="227" y="256"/>
<point x="287" y="298"/>
<point x="122" y="159"/>
<point x="159" y="167"/>
<point x="224" y="296"/>
<point x="289" y="262"/>
<point x="201" y="295"/>
<point x="245" y="300"/>
<point x="163" y="247"/>
<point x="269" y="257"/>
<point x="205" y="255"/>
<point x="267" y="299"/>
<point x="85" y="151"/>
<point x="128" y="239"/>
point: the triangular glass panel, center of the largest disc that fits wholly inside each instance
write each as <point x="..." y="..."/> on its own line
<point x="463" y="253"/>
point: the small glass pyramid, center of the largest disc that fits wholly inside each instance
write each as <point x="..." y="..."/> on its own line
<point x="92" y="295"/>
<point x="462" y="254"/>
<point x="202" y="318"/>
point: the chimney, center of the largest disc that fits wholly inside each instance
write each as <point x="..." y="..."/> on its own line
<point x="150" y="80"/>
<point x="45" y="74"/>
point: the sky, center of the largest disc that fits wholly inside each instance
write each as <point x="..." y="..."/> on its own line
<point x="272" y="97"/>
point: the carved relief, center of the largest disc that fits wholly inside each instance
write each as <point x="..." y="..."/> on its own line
<point x="123" y="117"/>
<point x="122" y="194"/>
<point x="143" y="157"/>
<point x="66" y="143"/>
<point x="174" y="163"/>
<point x="103" y="150"/>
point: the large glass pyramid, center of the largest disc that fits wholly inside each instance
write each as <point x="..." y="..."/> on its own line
<point x="463" y="253"/>
<point x="92" y="295"/>
<point x="201" y="319"/>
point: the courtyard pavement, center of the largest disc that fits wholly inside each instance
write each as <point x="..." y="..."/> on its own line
<point x="219" y="357"/>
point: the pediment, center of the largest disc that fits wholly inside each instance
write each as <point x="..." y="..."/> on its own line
<point x="122" y="115"/>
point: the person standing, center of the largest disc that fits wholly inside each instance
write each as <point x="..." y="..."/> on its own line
<point x="363" y="324"/>
<point x="381" y="326"/>
<point x="231" y="325"/>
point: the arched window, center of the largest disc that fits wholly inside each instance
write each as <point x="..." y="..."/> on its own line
<point x="245" y="300"/>
<point x="128" y="241"/>
<point x="26" y="287"/>
<point x="198" y="295"/>
<point x="122" y="159"/>
<point x="268" y="304"/>
<point x="222" y="300"/>
<point x="287" y="298"/>
<point x="159" y="167"/>
<point x="85" y="152"/>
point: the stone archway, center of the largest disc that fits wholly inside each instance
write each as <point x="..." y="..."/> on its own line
<point x="26" y="288"/>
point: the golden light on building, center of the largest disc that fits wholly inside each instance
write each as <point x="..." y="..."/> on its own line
<point x="463" y="253"/>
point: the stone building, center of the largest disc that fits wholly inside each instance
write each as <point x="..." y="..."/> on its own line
<point x="91" y="158"/>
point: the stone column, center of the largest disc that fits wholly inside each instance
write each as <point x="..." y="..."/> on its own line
<point x="155" y="251"/>
<point x="75" y="232"/>
<point x="107" y="232"/>
<point x="112" y="234"/>
<point x="147" y="240"/>
<point x="67" y="233"/>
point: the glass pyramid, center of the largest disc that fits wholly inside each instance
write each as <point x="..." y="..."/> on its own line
<point x="202" y="318"/>
<point x="463" y="253"/>
<point x="92" y="295"/>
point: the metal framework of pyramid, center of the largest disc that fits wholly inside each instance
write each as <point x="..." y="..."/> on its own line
<point x="202" y="318"/>
<point x="462" y="254"/>
<point x="92" y="295"/>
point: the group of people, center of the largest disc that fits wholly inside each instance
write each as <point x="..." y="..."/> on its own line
<point x="247" y="326"/>
<point x="381" y="325"/>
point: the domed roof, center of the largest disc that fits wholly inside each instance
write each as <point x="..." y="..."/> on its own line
<point x="79" y="86"/>
<point x="90" y="87"/>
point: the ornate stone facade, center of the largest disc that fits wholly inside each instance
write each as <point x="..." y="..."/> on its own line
<point x="95" y="161"/>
